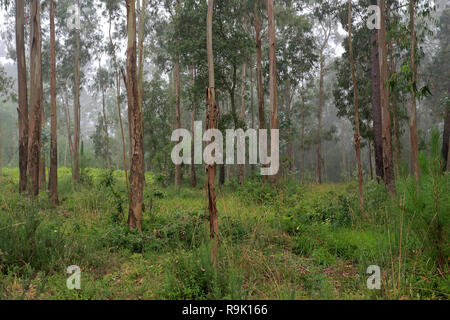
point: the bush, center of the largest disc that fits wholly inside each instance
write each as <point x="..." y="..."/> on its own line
<point x="193" y="277"/>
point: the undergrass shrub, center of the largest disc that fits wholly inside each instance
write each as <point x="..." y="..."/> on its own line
<point x="234" y="229"/>
<point x="254" y="190"/>
<point x="31" y="241"/>
<point x="108" y="184"/>
<point x="192" y="276"/>
<point x="160" y="233"/>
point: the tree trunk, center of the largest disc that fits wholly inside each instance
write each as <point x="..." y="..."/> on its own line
<point x="370" y="160"/>
<point x="135" y="112"/>
<point x="261" y="112"/>
<point x="211" y="123"/>
<point x="69" y="135"/>
<point x="252" y="108"/>
<point x="244" y="74"/>
<point x="389" y="176"/>
<point x="273" y="76"/>
<point x="76" y="109"/>
<point x="344" y="161"/>
<point x="23" y="95"/>
<point x="290" y="144"/>
<point x="319" y="126"/>
<point x="141" y="49"/>
<point x="53" y="176"/>
<point x="119" y="111"/>
<point x="446" y="137"/>
<point x="177" y="117"/>
<point x="105" y="118"/>
<point x="376" y="104"/>
<point x="42" y="163"/>
<point x="355" y="104"/>
<point x="302" y="135"/>
<point x="413" y="115"/>
<point x="193" y="113"/>
<point x="65" y="154"/>
<point x="395" y="139"/>
<point x="34" y="144"/>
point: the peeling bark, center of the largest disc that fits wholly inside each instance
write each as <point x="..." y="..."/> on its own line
<point x="35" y="121"/>
<point x="135" y="113"/>
<point x="53" y="176"/>
<point x="23" y="96"/>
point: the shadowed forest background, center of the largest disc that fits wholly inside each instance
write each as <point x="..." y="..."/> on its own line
<point x="88" y="104"/>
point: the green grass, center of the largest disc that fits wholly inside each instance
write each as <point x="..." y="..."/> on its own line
<point x="288" y="242"/>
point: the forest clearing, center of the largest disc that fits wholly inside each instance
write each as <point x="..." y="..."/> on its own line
<point x="292" y="242"/>
<point x="224" y="150"/>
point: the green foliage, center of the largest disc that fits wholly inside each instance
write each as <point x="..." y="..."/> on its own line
<point x="286" y="243"/>
<point x="193" y="277"/>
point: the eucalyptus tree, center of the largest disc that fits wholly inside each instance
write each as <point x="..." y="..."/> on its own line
<point x="297" y="58"/>
<point x="135" y="122"/>
<point x="102" y="82"/>
<point x="344" y="87"/>
<point x="325" y="13"/>
<point x="113" y="14"/>
<point x="355" y="105"/>
<point x="53" y="176"/>
<point x="22" y="94"/>
<point x="211" y="123"/>
<point x="388" y="163"/>
<point x="439" y="102"/>
<point x="35" y="117"/>
<point x="185" y="36"/>
<point x="6" y="85"/>
<point x="79" y="37"/>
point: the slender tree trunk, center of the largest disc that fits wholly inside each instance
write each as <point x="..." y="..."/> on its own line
<point x="53" y="176"/>
<point x="370" y="160"/>
<point x="136" y="138"/>
<point x="376" y="104"/>
<point x="119" y="109"/>
<point x="23" y="95"/>
<point x="141" y="48"/>
<point x="141" y="63"/>
<point x="355" y="104"/>
<point x="42" y="163"/>
<point x="344" y="161"/>
<point x="211" y="123"/>
<point x="446" y="138"/>
<point x="69" y="135"/>
<point x="244" y="74"/>
<point x="259" y="79"/>
<point x="389" y="176"/>
<point x="65" y="154"/>
<point x="105" y="118"/>
<point x="76" y="109"/>
<point x="273" y="76"/>
<point x="34" y="144"/>
<point x="290" y="144"/>
<point x="413" y="115"/>
<point x="193" y="113"/>
<point x="302" y="135"/>
<point x="177" y="117"/>
<point x="252" y="102"/>
<point x="395" y="139"/>
<point x="319" y="125"/>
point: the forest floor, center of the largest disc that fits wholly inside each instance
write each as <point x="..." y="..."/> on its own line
<point x="290" y="242"/>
